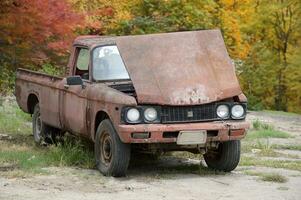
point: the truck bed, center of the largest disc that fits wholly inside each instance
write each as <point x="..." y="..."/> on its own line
<point x="46" y="88"/>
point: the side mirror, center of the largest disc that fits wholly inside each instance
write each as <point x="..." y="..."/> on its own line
<point x="74" y="80"/>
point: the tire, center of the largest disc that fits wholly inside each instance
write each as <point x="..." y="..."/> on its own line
<point x="225" y="158"/>
<point x="43" y="133"/>
<point x="112" y="156"/>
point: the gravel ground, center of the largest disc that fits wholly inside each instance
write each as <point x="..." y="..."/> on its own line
<point x="145" y="183"/>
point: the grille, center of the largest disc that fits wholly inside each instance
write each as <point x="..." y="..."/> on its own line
<point x="172" y="114"/>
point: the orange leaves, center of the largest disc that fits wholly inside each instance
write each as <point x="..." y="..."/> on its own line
<point x="38" y="24"/>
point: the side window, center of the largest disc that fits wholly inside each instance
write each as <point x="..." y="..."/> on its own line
<point x="82" y="63"/>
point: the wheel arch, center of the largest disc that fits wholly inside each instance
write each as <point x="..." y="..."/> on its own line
<point x="32" y="100"/>
<point x="99" y="117"/>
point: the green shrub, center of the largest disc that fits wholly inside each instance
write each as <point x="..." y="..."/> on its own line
<point x="254" y="103"/>
<point x="258" y="125"/>
<point x="7" y="79"/>
<point x="274" y="178"/>
<point x="73" y="151"/>
<point x="52" y="70"/>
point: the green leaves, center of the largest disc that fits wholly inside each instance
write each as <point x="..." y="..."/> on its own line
<point x="152" y="16"/>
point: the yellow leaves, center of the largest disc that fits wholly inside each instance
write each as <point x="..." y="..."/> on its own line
<point x="231" y="24"/>
<point x="237" y="16"/>
<point x="228" y="3"/>
<point x="103" y="15"/>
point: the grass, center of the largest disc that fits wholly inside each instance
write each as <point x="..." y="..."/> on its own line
<point x="258" y="125"/>
<point x="282" y="188"/>
<point x="258" y="139"/>
<point x="269" y="177"/>
<point x="265" y="149"/>
<point x="30" y="159"/>
<point x="274" y="178"/>
<point x="267" y="134"/>
<point x="268" y="153"/>
<point x="251" y="161"/>
<point x="74" y="152"/>
<point x="19" y="152"/>
<point x="288" y="147"/>
<point x="265" y="145"/>
<point x="272" y="153"/>
<point x="13" y="120"/>
<point x="263" y="130"/>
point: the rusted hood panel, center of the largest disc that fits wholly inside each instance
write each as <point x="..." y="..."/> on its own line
<point x="183" y="68"/>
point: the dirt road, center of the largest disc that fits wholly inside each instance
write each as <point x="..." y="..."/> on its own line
<point x="148" y="180"/>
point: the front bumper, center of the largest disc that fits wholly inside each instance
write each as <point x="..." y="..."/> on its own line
<point x="225" y="131"/>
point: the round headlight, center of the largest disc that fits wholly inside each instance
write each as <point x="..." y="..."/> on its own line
<point x="133" y="115"/>
<point x="150" y="114"/>
<point x="237" y="111"/>
<point x="222" y="111"/>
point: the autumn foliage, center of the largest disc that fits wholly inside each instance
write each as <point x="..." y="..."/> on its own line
<point x="263" y="37"/>
<point x="30" y="28"/>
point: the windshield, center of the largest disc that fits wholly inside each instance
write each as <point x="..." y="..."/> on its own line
<point x="108" y="64"/>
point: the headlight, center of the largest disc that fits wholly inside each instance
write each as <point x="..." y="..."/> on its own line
<point x="237" y="111"/>
<point x="222" y="111"/>
<point x="150" y="114"/>
<point x="133" y="115"/>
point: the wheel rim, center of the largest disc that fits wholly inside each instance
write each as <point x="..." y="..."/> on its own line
<point x="106" y="148"/>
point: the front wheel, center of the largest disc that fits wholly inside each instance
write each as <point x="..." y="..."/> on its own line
<point x="225" y="158"/>
<point x="112" y="156"/>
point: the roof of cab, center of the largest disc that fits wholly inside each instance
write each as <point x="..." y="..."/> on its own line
<point x="93" y="40"/>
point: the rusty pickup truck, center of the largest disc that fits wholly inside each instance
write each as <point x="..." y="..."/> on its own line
<point x="152" y="93"/>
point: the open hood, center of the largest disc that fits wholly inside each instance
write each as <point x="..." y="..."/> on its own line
<point x="183" y="68"/>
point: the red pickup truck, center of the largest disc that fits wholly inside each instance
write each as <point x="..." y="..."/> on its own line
<point x="153" y="93"/>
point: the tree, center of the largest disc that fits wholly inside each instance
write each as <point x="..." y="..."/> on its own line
<point x="30" y="28"/>
<point x="103" y="16"/>
<point x="152" y="16"/>
<point x="270" y="68"/>
<point x="263" y="37"/>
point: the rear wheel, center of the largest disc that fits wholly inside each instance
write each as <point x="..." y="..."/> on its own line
<point x="43" y="133"/>
<point x="112" y="156"/>
<point x="225" y="158"/>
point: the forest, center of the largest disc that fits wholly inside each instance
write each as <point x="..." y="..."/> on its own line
<point x="263" y="37"/>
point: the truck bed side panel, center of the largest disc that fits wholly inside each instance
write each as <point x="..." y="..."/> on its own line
<point x="46" y="89"/>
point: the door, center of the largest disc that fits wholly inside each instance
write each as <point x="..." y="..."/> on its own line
<point x="75" y="97"/>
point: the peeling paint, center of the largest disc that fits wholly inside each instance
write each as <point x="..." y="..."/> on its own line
<point x="195" y="95"/>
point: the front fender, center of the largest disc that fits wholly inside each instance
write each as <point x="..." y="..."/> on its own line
<point x="102" y="98"/>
